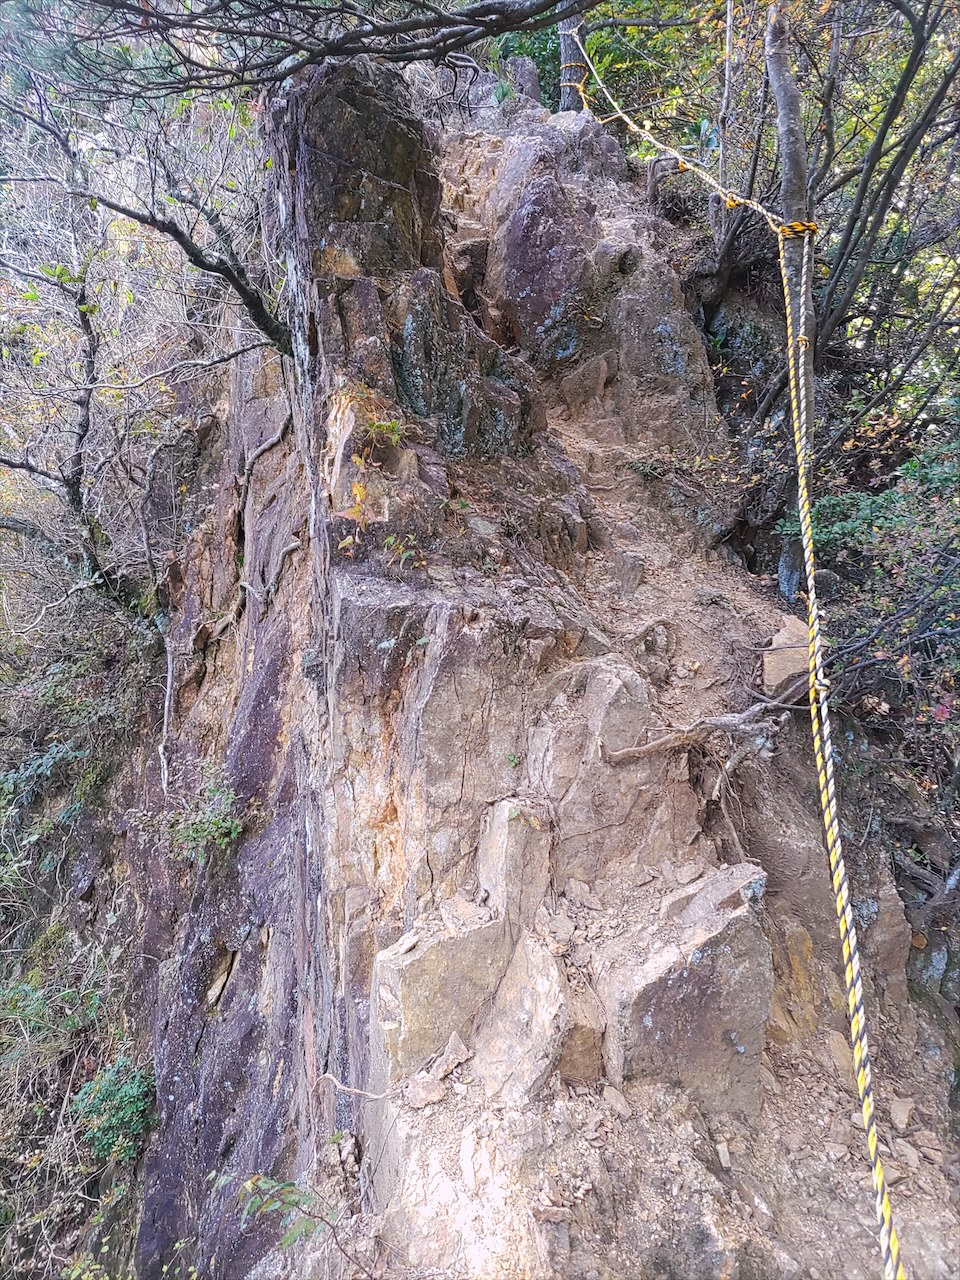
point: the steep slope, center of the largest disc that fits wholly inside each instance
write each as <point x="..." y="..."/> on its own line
<point x="518" y="980"/>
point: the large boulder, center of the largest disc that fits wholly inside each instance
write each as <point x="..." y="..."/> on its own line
<point x="450" y="374"/>
<point x="361" y="165"/>
<point x="786" y="662"/>
<point x="519" y="1045"/>
<point x="424" y="992"/>
<point x="692" y="1010"/>
<point x="573" y="276"/>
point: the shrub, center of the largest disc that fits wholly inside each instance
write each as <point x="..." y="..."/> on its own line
<point x="89" y="1268"/>
<point x="57" y="991"/>
<point x="895" y="626"/>
<point x="211" y="822"/>
<point x="896" y="527"/>
<point x="60" y="1010"/>
<point x="115" y="1110"/>
<point x="68" y="699"/>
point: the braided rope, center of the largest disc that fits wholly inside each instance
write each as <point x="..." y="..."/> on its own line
<point x="798" y="342"/>
<point x="823" y="753"/>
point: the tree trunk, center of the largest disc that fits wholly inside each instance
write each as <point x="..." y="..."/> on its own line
<point x="794" y="201"/>
<point x="573" y="69"/>
<point x="793" y="149"/>
<point x="723" y="121"/>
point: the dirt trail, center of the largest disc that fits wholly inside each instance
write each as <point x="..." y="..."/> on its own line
<point x="694" y="623"/>
<point x="804" y="1164"/>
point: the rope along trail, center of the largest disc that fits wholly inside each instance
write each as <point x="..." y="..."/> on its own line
<point x="798" y="323"/>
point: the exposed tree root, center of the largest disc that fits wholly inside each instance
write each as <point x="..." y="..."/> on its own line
<point x="756" y="722"/>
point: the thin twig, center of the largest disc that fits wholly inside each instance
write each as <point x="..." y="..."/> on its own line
<point x="345" y="1088"/>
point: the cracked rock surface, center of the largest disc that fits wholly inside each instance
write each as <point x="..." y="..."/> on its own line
<point x="510" y="1007"/>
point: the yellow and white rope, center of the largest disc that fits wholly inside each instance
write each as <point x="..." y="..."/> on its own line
<point x="798" y="367"/>
<point x="797" y="340"/>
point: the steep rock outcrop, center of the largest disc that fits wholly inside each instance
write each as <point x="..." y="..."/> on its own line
<point x="513" y="993"/>
<point x="573" y="274"/>
<point x="365" y="258"/>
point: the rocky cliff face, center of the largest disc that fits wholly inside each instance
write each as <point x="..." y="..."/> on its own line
<point x="518" y="979"/>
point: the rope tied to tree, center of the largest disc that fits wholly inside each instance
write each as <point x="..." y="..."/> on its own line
<point x="799" y="374"/>
<point x="788" y="230"/>
<point x="579" y="85"/>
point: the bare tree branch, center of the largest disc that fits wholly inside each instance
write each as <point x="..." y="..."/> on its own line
<point x="27" y="529"/>
<point x="234" y="274"/>
<point x="225" y="44"/>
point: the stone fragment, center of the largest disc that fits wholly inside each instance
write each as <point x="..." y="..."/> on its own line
<point x="723" y="1155"/>
<point x="452" y="1057"/>
<point x="887" y="944"/>
<point x="792" y="1140"/>
<point x="552" y="1213"/>
<point x="837" y="1053"/>
<point x="675" y="903"/>
<point x="785" y="662"/>
<point x="793" y="1007"/>
<point x="909" y="1155"/>
<point x="632" y="568"/>
<point x="468" y="264"/>
<point x="513" y="863"/>
<point x="561" y="928"/>
<point x="827" y="583"/>
<point x="581" y="1058"/>
<point x="617" y="1102"/>
<point x="524" y="77"/>
<point x="486" y="528"/>
<point x="459" y="912"/>
<point x="693" y="1012"/>
<point x="423" y="1089"/>
<point x="588" y="381"/>
<point x="725" y="889"/>
<point x="790" y="1269"/>
<point x="687" y="872"/>
<point x="749" y="1190"/>
<point x="577" y="891"/>
<point x="519" y="1043"/>
<point x="901" y="1112"/>
<point x="422" y="994"/>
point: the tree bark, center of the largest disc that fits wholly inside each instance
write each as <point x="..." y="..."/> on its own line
<point x="723" y="121"/>
<point x="794" y="200"/>
<point x="796" y="206"/>
<point x="573" y="69"/>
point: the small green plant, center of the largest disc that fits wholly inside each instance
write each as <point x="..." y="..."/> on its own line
<point x="88" y="1268"/>
<point x="385" y="432"/>
<point x="503" y="91"/>
<point x="47" y="1015"/>
<point x="21" y="785"/>
<point x="404" y="550"/>
<point x="295" y="1207"/>
<point x="211" y="822"/>
<point x="513" y="760"/>
<point x="649" y="468"/>
<point x="115" y="1110"/>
